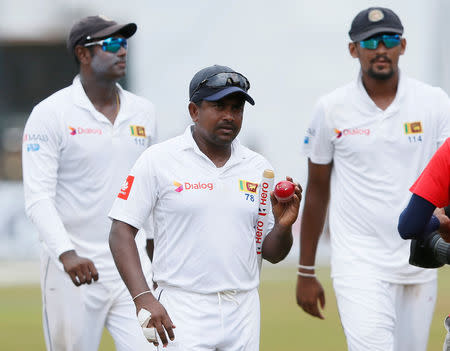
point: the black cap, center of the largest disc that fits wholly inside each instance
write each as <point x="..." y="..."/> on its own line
<point x="96" y="27"/>
<point x="213" y="94"/>
<point x="373" y="21"/>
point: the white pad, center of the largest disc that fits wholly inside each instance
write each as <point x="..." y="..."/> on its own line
<point x="144" y="317"/>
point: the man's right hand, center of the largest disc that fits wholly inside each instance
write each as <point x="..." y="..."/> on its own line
<point x="81" y="270"/>
<point x="309" y="293"/>
<point x="160" y="318"/>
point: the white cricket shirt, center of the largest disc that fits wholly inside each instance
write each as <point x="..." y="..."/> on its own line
<point x="204" y="216"/>
<point x="377" y="155"/>
<point x="74" y="160"/>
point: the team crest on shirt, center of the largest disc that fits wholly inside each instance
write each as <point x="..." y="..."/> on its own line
<point x="413" y="127"/>
<point x="126" y="188"/>
<point x="247" y="187"/>
<point x="137" y="131"/>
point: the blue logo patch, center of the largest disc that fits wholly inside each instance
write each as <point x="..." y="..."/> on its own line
<point x="33" y="147"/>
<point x="306" y="141"/>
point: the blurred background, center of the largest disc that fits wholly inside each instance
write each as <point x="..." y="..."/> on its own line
<point x="291" y="51"/>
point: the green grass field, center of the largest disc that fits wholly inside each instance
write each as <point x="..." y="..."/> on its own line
<point x="283" y="327"/>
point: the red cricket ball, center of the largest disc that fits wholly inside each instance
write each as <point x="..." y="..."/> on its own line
<point x="284" y="191"/>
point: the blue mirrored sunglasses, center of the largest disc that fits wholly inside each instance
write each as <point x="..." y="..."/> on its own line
<point x="389" y="40"/>
<point x="110" y="44"/>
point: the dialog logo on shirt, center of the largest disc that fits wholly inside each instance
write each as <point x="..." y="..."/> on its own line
<point x="247" y="187"/>
<point x="179" y="187"/>
<point x="137" y="131"/>
<point x="126" y="188"/>
<point x="413" y="127"/>
<point x="81" y="130"/>
<point x="352" y="131"/>
<point x="192" y="186"/>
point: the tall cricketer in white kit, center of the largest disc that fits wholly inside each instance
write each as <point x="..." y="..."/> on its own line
<point x="367" y="143"/>
<point x="84" y="139"/>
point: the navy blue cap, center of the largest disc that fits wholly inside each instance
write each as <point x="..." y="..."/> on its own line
<point x="374" y="20"/>
<point x="203" y="92"/>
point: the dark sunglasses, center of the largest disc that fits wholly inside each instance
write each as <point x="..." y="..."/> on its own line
<point x="225" y="79"/>
<point x="389" y="40"/>
<point x="110" y="44"/>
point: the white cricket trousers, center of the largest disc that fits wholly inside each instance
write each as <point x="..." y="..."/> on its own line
<point x="73" y="317"/>
<point x="225" y="321"/>
<point x="380" y="316"/>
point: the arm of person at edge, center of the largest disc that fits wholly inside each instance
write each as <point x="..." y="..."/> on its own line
<point x="309" y="290"/>
<point x="125" y="254"/>
<point x="421" y="218"/>
<point x="278" y="242"/>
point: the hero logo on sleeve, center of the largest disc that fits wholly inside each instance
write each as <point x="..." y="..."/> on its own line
<point x="126" y="187"/>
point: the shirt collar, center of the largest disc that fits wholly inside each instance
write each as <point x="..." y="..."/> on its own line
<point x="81" y="99"/>
<point x="364" y="100"/>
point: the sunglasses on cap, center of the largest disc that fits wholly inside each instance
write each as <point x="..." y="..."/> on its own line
<point x="389" y="40"/>
<point x="110" y="44"/>
<point x="222" y="80"/>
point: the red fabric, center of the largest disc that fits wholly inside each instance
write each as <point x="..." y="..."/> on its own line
<point x="434" y="183"/>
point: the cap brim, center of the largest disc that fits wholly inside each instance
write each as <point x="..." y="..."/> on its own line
<point x="227" y="91"/>
<point x="127" y="30"/>
<point x="373" y="31"/>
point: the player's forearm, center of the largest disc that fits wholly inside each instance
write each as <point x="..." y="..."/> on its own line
<point x="313" y="219"/>
<point x="51" y="229"/>
<point x="277" y="243"/>
<point x="417" y="220"/>
<point x="126" y="257"/>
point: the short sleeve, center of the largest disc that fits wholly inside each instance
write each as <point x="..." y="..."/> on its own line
<point x="137" y="196"/>
<point x="317" y="144"/>
<point x="434" y="183"/>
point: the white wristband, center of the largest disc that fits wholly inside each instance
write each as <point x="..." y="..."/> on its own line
<point x="310" y="275"/>
<point x="142" y="293"/>
<point x="311" y="268"/>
